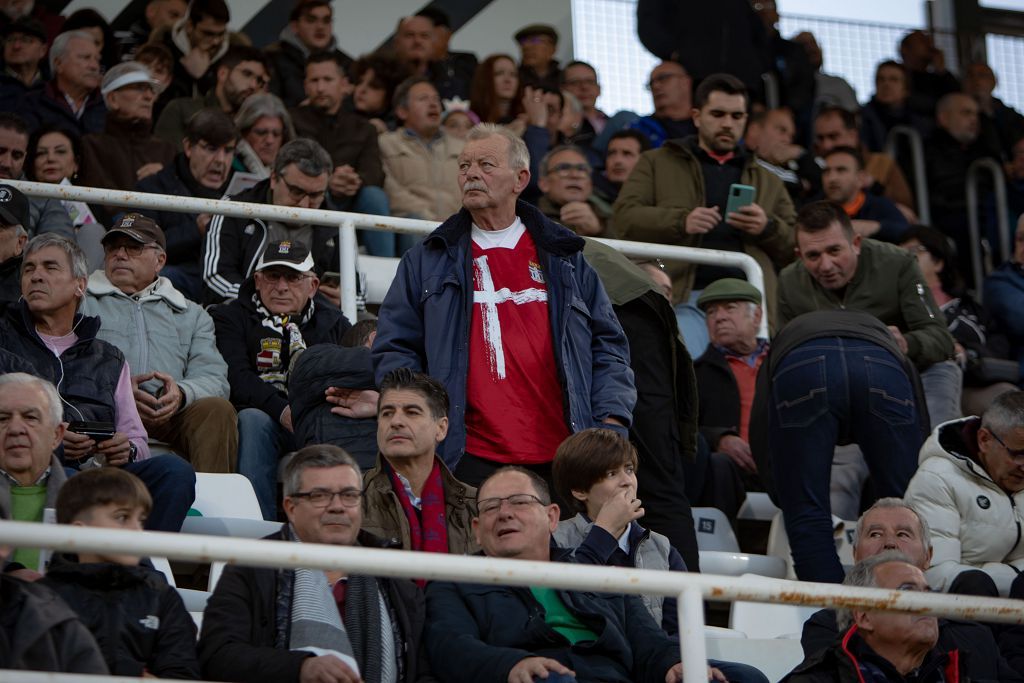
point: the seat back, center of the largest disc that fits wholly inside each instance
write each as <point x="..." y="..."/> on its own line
<point x="225" y="495"/>
<point x="714" y="531"/>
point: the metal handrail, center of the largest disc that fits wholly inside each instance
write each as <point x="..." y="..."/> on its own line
<point x="771" y="90"/>
<point x="974" y="220"/>
<point x="348" y="222"/>
<point x="691" y="588"/>
<point x="924" y="210"/>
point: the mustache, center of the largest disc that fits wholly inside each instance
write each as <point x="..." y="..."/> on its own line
<point x="336" y="519"/>
<point x="474" y="185"/>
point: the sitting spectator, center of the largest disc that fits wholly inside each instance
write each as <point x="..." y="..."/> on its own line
<point x="274" y="318"/>
<point x="624" y="150"/>
<point x="13" y="217"/>
<point x="929" y="79"/>
<point x="889" y="107"/>
<point x="671" y="89"/>
<point x="893" y="525"/>
<point x="46" y="329"/>
<point x="24" y="53"/>
<point x="157" y="58"/>
<point x="72" y="98"/>
<point x="537" y="66"/>
<point x="310" y="30"/>
<point x="413" y="44"/>
<point x="770" y="136"/>
<point x="450" y="72"/>
<point x="969" y="485"/>
<point x="895" y="645"/>
<point x="30" y="473"/>
<point x="197" y="41"/>
<point x="1004" y="296"/>
<point x="333" y="395"/>
<point x="569" y="195"/>
<point x="180" y="380"/>
<point x="839" y="269"/>
<point x="54" y="156"/>
<point x="241" y="72"/>
<point x="580" y="79"/>
<point x="356" y="183"/>
<point x="126" y="151"/>
<point x="139" y="620"/>
<point x="495" y="94"/>
<point x="265" y="126"/>
<point x="829" y="90"/>
<point x="159" y="16"/>
<point x="291" y="625"/>
<point x="420" y="160"/>
<point x="1008" y="124"/>
<point x="410" y="496"/>
<point x="201" y="170"/>
<point x="37" y="11"/>
<point x="233" y="244"/>
<point x="843" y="178"/>
<point x="374" y="79"/>
<point x="475" y="634"/>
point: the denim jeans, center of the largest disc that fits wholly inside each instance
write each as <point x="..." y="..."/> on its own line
<point x="261" y="442"/>
<point x="943" y="385"/>
<point x="823" y="391"/>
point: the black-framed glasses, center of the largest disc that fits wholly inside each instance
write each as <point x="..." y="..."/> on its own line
<point x="321" y="498"/>
<point x="292" y="277"/>
<point x="298" y="194"/>
<point x="518" y="501"/>
<point x="1016" y="454"/>
<point x="130" y="248"/>
<point x="567" y="168"/>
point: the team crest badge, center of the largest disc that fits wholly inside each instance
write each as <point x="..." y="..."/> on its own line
<point x="269" y="356"/>
<point x="536" y="274"/>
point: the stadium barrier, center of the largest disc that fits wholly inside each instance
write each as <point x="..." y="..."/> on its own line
<point x="924" y="210"/>
<point x="974" y="172"/>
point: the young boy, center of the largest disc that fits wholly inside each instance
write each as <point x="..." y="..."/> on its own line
<point x="595" y="472"/>
<point x="138" y="620"/>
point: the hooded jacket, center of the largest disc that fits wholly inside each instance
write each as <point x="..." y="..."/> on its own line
<point x="287" y="59"/>
<point x="974" y="523"/>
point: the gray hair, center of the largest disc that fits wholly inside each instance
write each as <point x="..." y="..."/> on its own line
<point x="54" y="409"/>
<point x="863" y="576"/>
<point x="1005" y="413"/>
<point x="259" y="105"/>
<point x="893" y="503"/>
<point x="60" y="45"/>
<point x="518" y="154"/>
<point x="318" y="456"/>
<point x="546" y="161"/>
<point x="307" y="155"/>
<point x="79" y="267"/>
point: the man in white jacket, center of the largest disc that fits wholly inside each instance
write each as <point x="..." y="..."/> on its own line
<point x="970" y="488"/>
<point x="179" y="376"/>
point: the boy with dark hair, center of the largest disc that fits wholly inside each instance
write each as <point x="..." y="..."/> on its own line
<point x="138" y="620"/>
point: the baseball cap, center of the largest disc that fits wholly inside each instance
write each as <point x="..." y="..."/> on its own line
<point x="286" y="253"/>
<point x="26" y="26"/>
<point x="13" y="207"/>
<point x="124" y="74"/>
<point x="142" y="229"/>
<point x="728" y="289"/>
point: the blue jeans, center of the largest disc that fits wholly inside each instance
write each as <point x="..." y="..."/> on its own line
<point x="824" y="391"/>
<point x="261" y="441"/>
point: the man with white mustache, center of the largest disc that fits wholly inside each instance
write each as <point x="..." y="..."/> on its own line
<point x="499" y="305"/>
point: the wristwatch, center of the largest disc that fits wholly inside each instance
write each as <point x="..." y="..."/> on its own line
<point x="133" y="452"/>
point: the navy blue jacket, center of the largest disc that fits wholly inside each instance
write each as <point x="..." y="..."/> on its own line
<point x="878" y="208"/>
<point x="478" y="632"/>
<point x="1004" y="299"/>
<point x="425" y="321"/>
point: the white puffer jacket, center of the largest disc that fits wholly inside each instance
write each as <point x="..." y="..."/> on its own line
<point x="974" y="523"/>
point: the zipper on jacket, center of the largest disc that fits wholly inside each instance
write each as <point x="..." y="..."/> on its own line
<point x="920" y="295"/>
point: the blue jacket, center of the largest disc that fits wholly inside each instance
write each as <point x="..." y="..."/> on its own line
<point x="1004" y="299"/>
<point x="425" y="320"/>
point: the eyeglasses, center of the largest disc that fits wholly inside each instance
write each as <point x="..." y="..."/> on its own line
<point x="267" y="132"/>
<point x="291" y="277"/>
<point x="321" y="498"/>
<point x="130" y="248"/>
<point x="518" y="501"/>
<point x="298" y="194"/>
<point x="566" y="169"/>
<point x="661" y="79"/>
<point x="1016" y="454"/>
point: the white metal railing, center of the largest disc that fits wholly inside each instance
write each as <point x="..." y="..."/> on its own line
<point x="691" y="589"/>
<point x="924" y="208"/>
<point x="348" y="222"/>
<point x="974" y="171"/>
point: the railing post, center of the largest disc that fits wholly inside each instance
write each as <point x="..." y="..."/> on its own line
<point x="974" y="219"/>
<point x="924" y="210"/>
<point x="691" y="636"/>
<point x="347" y="252"/>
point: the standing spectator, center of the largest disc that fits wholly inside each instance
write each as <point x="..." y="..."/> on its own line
<point x="310" y="30"/>
<point x="926" y="68"/>
<point x="24" y="58"/>
<point x="157" y="17"/>
<point x="1004" y="296"/>
<point x="580" y="79"/>
<point x="789" y="64"/>
<point x="420" y="159"/>
<point x="537" y="66"/>
<point x="890" y="107"/>
<point x="265" y="126"/>
<point x="829" y="90"/>
<point x="624" y="150"/>
<point x="414" y="43"/>
<point x="202" y="170"/>
<point x="495" y="95"/>
<point x="13" y="217"/>
<point x="259" y="334"/>
<point x="586" y="383"/>
<point x="569" y="196"/>
<point x="72" y="98"/>
<point x="374" y="79"/>
<point x="180" y="382"/>
<point x="196" y="41"/>
<point x="672" y="91"/>
<point x="871" y="215"/>
<point x="451" y="72"/>
<point x="979" y="82"/>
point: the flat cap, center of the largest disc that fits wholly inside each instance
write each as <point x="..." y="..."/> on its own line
<point x="537" y="30"/>
<point x="728" y="289"/>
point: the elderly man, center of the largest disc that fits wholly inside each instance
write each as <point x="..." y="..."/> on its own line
<point x="201" y="170"/>
<point x="310" y="30"/>
<point x="890" y="645"/>
<point x="14" y="216"/>
<point x="671" y="90"/>
<point x="24" y="50"/>
<point x="411" y="495"/>
<point x="839" y="269"/>
<point x="303" y="625"/>
<point x="260" y="334"/>
<point x="94" y="381"/>
<point x="538" y="67"/>
<point x="72" y="99"/>
<point x="1004" y="295"/>
<point x="843" y="179"/>
<point x="233" y="245"/>
<point x="420" y="159"/>
<point x="490" y="304"/>
<point x="969" y="485"/>
<point x="569" y="196"/>
<point x="180" y="380"/>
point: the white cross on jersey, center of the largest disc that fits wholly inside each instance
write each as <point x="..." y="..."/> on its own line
<point x="489" y="298"/>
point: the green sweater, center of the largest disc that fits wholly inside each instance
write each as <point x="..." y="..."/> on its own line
<point x="27" y="503"/>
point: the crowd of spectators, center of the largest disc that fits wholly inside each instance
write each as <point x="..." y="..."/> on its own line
<point x="524" y="390"/>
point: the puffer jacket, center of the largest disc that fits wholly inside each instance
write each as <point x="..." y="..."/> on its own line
<point x="974" y="523"/>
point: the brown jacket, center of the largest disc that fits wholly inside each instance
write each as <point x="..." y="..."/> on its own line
<point x="422" y="179"/>
<point x="347" y="137"/>
<point x="383" y="515"/>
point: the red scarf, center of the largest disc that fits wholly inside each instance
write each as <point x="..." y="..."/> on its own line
<point x="430" y="535"/>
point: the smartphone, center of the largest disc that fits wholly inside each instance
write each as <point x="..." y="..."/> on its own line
<point x="331" y="279"/>
<point x="739" y="196"/>
<point x="97" y="431"/>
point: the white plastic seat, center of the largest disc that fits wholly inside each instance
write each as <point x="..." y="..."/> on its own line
<point x="714" y="531"/>
<point x="229" y="526"/>
<point x="737" y="564"/>
<point x="766" y="620"/>
<point x="216" y="569"/>
<point x="162" y="565"/>
<point x="774" y="657"/>
<point x="778" y="543"/>
<point x="757" y="506"/>
<point x="379" y="271"/>
<point x="225" y="495"/>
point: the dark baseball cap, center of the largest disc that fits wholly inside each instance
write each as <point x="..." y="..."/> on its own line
<point x="286" y="253"/>
<point x="13" y="207"/>
<point x="26" y="26"/>
<point x="142" y="229"/>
